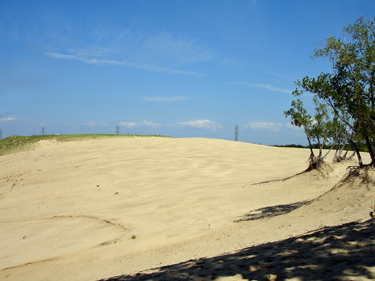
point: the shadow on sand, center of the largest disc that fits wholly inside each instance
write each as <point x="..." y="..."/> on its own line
<point x="271" y="211"/>
<point x="344" y="252"/>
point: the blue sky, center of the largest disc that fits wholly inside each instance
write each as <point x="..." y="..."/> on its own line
<point x="188" y="68"/>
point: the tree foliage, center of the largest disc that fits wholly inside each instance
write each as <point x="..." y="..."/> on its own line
<point x="300" y="118"/>
<point x="349" y="89"/>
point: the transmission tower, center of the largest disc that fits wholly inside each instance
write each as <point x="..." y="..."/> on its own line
<point x="236" y="133"/>
<point x="43" y="131"/>
<point x="117" y="130"/>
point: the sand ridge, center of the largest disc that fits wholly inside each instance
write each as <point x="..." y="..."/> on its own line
<point x="74" y="205"/>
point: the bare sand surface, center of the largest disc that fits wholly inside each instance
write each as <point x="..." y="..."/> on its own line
<point x="95" y="209"/>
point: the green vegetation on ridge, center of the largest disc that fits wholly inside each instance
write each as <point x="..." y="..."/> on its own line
<point x="15" y="144"/>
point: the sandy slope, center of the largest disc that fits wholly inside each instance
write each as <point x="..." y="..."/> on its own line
<point x="69" y="210"/>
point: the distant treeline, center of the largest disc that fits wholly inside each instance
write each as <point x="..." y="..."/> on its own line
<point x="361" y="146"/>
<point x="290" y="145"/>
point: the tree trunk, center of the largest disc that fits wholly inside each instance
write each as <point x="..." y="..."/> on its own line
<point x="351" y="156"/>
<point x="320" y="149"/>
<point x="342" y="148"/>
<point x="346" y="153"/>
<point x="312" y="156"/>
<point x="370" y="150"/>
<point x="335" y="156"/>
<point x="357" y="152"/>
<point x="330" y="150"/>
<point x="338" y="142"/>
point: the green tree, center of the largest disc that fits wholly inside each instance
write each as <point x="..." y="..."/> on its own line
<point x="340" y="133"/>
<point x="300" y="118"/>
<point x="321" y="125"/>
<point x="319" y="128"/>
<point x="349" y="90"/>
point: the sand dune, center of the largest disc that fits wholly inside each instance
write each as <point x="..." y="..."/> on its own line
<point x="344" y="252"/>
<point x="94" y="209"/>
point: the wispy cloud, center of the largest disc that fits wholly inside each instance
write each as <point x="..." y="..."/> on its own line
<point x="94" y="124"/>
<point x="241" y="83"/>
<point x="272" y="88"/>
<point x="271" y="126"/>
<point x="231" y="62"/>
<point x="140" y="124"/>
<point x="264" y="126"/>
<point x="68" y="124"/>
<point x="7" y="119"/>
<point x="280" y="75"/>
<point x="264" y="86"/>
<point x="151" y="124"/>
<point x="42" y="124"/>
<point x="164" y="99"/>
<point x="126" y="64"/>
<point x="159" y="48"/>
<point x="201" y="124"/>
<point x="128" y="124"/>
<point x="160" y="52"/>
<point x="164" y="47"/>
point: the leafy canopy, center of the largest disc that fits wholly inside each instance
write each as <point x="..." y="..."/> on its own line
<point x="349" y="89"/>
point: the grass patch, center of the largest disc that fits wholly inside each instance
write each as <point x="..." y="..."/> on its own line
<point x="16" y="144"/>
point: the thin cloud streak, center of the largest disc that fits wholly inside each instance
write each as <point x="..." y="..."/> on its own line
<point x="94" y="124"/>
<point x="164" y="99"/>
<point x="231" y="62"/>
<point x="264" y="126"/>
<point x="264" y="86"/>
<point x="140" y="124"/>
<point x="202" y="124"/>
<point x="279" y="75"/>
<point x="165" y="47"/>
<point x="136" y="48"/>
<point x="271" y="126"/>
<point x="7" y="119"/>
<point x="128" y="124"/>
<point x="272" y="88"/>
<point x="132" y="65"/>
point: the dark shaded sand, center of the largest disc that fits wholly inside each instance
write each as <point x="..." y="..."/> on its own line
<point x="345" y="252"/>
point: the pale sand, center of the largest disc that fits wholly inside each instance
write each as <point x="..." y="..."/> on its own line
<point x="69" y="210"/>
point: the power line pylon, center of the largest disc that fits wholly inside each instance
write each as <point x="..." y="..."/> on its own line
<point x="236" y="133"/>
<point x="43" y="131"/>
<point x="117" y="130"/>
